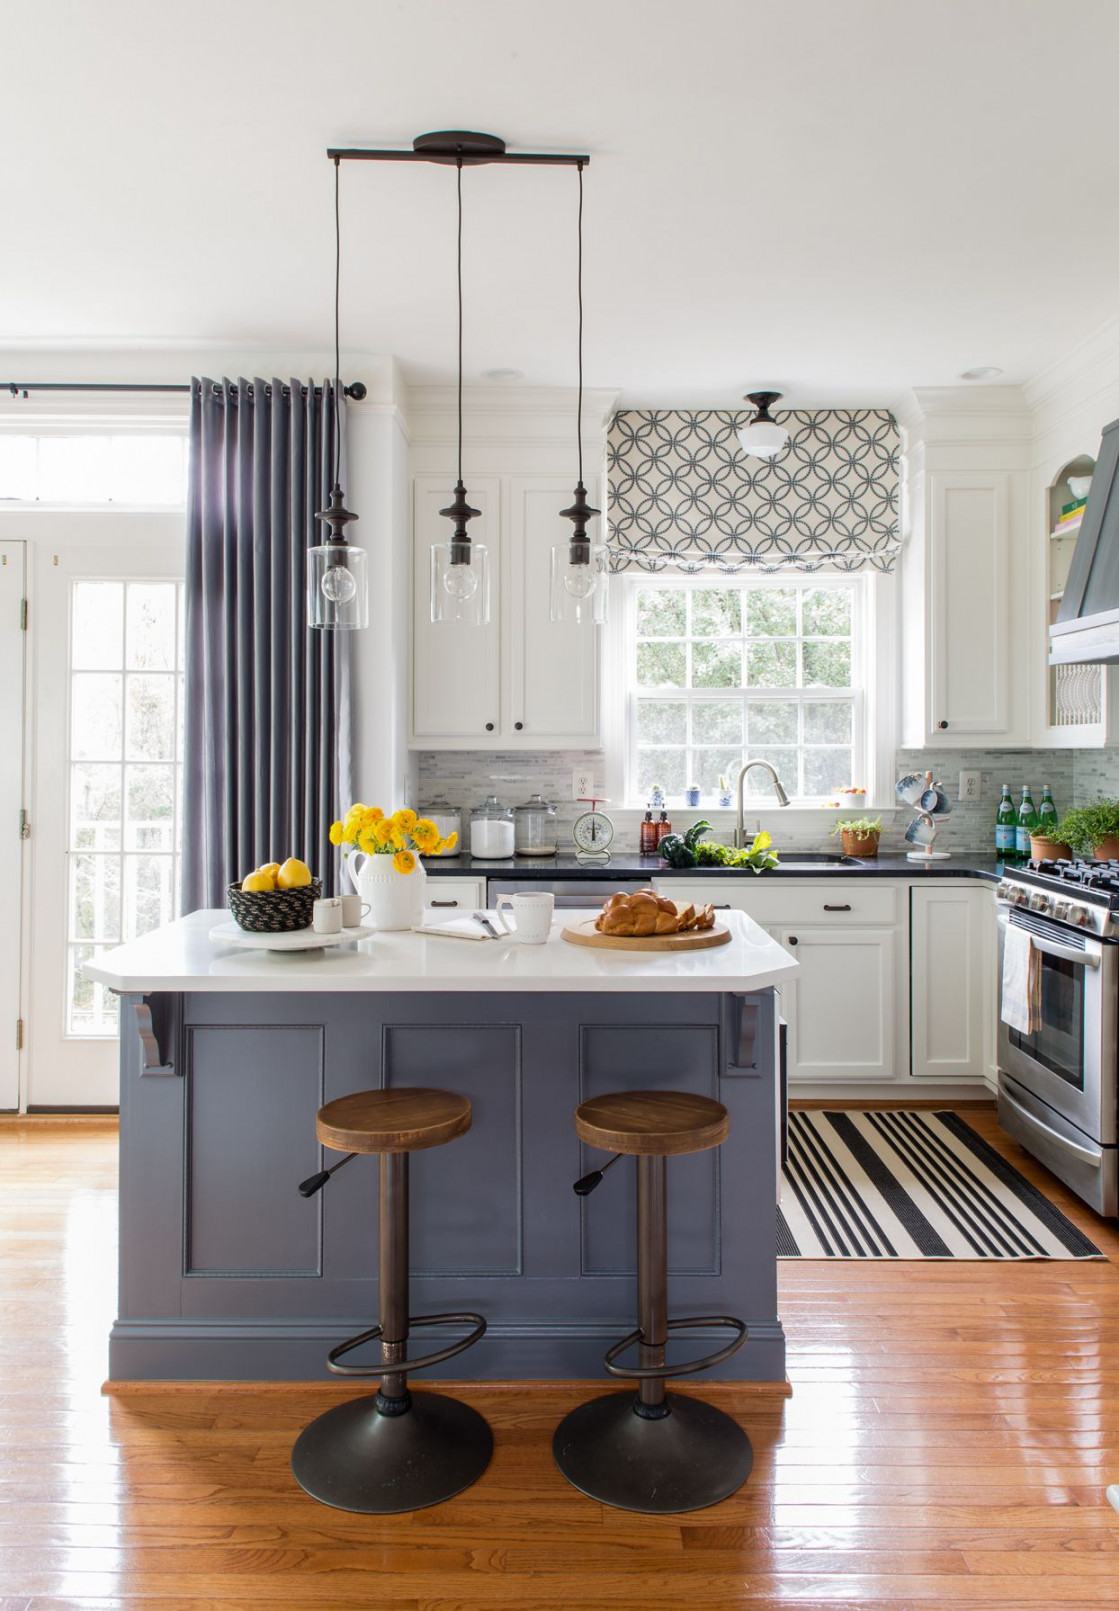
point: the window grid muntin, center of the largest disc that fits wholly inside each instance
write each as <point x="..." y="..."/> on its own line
<point x="745" y="697"/>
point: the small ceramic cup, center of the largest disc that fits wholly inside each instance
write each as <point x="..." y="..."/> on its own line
<point x="326" y="916"/>
<point x="532" y="912"/>
<point x="353" y="910"/>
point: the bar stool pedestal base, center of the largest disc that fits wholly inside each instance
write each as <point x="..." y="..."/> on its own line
<point x="687" y="1460"/>
<point x="355" y="1458"/>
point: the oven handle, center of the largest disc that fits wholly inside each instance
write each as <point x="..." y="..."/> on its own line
<point x="1050" y="948"/>
<point x="1093" y="1159"/>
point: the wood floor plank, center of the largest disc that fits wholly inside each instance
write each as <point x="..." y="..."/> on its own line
<point x="951" y="1432"/>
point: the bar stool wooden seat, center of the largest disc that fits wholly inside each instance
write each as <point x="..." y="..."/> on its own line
<point x="392" y="1450"/>
<point x="652" y="1451"/>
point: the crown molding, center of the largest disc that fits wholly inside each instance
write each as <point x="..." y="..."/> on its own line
<point x="1087" y="370"/>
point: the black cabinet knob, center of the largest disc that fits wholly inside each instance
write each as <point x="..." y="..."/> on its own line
<point x="518" y="726"/>
<point x="793" y="940"/>
<point x="942" y="725"/>
<point x="489" y="727"/>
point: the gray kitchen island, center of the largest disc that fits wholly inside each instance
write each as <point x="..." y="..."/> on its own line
<point x="226" y="1272"/>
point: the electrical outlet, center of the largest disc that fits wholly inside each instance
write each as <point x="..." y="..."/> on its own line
<point x="582" y="785"/>
<point x="971" y="785"/>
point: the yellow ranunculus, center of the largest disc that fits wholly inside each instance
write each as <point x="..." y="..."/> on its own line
<point x="399" y="837"/>
<point x="382" y="832"/>
<point x="376" y="814"/>
<point x="405" y="819"/>
<point x="449" y="843"/>
<point x="349" y="832"/>
<point x="336" y="833"/>
<point x="761" y="841"/>
<point x="425" y="834"/>
<point x="404" y="861"/>
<point x="367" y="841"/>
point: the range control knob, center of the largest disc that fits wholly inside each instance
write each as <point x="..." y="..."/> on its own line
<point x="1061" y="910"/>
<point x="1039" y="901"/>
<point x="1002" y="893"/>
<point x="1079" y="916"/>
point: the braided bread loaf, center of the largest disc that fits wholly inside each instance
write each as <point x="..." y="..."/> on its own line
<point x="645" y="913"/>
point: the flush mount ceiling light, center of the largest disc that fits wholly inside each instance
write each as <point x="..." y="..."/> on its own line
<point x="337" y="586"/>
<point x="763" y="438"/>
<point x="580" y="570"/>
<point x="981" y="372"/>
<point x="460" y="590"/>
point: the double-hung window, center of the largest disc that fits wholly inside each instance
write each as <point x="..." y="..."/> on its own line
<point x="771" y="669"/>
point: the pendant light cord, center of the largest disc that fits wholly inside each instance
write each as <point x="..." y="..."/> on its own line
<point x="460" y="318"/>
<point x="337" y="325"/>
<point x="579" y="413"/>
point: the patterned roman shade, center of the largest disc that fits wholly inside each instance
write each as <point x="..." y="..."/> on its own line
<point x="682" y="495"/>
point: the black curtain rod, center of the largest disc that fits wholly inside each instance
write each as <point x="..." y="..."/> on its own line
<point x="21" y="388"/>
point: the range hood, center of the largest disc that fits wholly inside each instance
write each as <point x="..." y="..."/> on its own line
<point x="1086" y="630"/>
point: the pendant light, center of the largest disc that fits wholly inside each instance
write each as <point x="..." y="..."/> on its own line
<point x="763" y="438"/>
<point x="460" y="569"/>
<point x="337" y="584"/>
<point x="580" y="571"/>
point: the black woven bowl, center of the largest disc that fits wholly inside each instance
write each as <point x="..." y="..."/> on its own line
<point x="274" y="911"/>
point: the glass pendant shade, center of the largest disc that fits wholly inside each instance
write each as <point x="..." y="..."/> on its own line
<point x="580" y="587"/>
<point x="337" y="586"/>
<point x="763" y="440"/>
<point x="460" y="586"/>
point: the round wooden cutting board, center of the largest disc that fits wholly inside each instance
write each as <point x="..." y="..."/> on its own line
<point x="585" y="933"/>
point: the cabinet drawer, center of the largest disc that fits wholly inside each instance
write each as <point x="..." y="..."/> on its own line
<point x="454" y="895"/>
<point x="778" y="901"/>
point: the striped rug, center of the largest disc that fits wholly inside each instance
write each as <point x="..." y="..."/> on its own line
<point x="911" y="1185"/>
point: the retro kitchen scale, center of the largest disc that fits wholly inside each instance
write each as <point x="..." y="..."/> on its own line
<point x="593" y="832"/>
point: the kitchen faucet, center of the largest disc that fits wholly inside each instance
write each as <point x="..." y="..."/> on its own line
<point x="782" y="798"/>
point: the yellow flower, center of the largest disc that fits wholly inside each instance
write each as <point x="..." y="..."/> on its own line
<point x="425" y="834"/>
<point x="375" y="814"/>
<point x="404" y="861"/>
<point x="449" y="843"/>
<point x="367" y="841"/>
<point x="382" y="832"/>
<point x="371" y="816"/>
<point x="349" y="832"/>
<point x="762" y="841"/>
<point x="336" y="833"/>
<point x="405" y="819"/>
<point x="399" y="837"/>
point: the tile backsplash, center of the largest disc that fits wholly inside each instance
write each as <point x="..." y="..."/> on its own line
<point x="1075" y="777"/>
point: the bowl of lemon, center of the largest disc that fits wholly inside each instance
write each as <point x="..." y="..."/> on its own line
<point x="277" y="898"/>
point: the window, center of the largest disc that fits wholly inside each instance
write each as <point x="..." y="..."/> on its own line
<point x="125" y="776"/>
<point x="770" y="669"/>
<point x="145" y="470"/>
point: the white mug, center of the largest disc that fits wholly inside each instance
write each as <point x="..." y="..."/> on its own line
<point x="353" y="910"/>
<point x="326" y="916"/>
<point x="533" y="914"/>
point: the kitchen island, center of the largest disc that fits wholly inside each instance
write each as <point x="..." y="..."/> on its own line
<point x="227" y="1272"/>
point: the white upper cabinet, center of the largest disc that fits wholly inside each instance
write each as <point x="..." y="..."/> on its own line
<point x="969" y="572"/>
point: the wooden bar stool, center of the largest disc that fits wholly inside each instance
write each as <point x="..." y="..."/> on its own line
<point x="652" y="1451"/>
<point x="392" y="1450"/>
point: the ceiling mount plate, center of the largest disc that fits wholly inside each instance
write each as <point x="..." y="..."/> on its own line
<point x="449" y="145"/>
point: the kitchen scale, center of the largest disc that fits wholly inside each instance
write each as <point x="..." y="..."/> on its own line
<point x="593" y="832"/>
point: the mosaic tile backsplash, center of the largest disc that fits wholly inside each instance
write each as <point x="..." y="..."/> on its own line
<point x="1075" y="777"/>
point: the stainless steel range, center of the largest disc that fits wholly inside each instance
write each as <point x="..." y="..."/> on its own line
<point x="1058" y="1086"/>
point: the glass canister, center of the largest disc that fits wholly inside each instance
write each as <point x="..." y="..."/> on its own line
<point x="448" y="819"/>
<point x="491" y="830"/>
<point x="535" y="828"/>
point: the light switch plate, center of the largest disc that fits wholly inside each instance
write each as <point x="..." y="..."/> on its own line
<point x="971" y="785"/>
<point x="582" y="785"/>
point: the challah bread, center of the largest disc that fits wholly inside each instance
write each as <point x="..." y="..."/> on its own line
<point x="646" y="912"/>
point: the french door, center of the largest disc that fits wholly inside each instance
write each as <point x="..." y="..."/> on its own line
<point x="107" y="641"/>
<point x="12" y="639"/>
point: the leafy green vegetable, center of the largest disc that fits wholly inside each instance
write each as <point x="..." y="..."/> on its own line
<point x="675" y="851"/>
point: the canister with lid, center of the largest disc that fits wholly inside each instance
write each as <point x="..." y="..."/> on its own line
<point x="448" y="819"/>
<point x="535" y="828"/>
<point x="491" y="830"/>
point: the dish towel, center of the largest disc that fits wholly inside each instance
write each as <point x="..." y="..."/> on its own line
<point x="455" y="928"/>
<point x="1021" y="982"/>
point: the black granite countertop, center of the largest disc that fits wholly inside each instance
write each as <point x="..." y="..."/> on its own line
<point x="627" y="864"/>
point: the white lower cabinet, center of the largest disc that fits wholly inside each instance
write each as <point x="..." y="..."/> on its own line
<point x="952" y="967"/>
<point x="454" y="895"/>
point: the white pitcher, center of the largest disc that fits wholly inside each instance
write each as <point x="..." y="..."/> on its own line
<point x="395" y="900"/>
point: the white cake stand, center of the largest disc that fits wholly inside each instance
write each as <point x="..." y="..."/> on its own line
<point x="294" y="940"/>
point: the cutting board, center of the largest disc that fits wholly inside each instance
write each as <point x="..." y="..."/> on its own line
<point x="585" y="933"/>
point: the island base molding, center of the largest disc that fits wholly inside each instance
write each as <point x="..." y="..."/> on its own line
<point x="274" y="1351"/>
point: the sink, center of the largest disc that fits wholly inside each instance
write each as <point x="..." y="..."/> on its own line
<point x="798" y="860"/>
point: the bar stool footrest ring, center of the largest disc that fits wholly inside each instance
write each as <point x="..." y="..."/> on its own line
<point x="639" y="1373"/>
<point x="400" y="1367"/>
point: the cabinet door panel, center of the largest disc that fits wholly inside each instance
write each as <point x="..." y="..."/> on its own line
<point x="455" y="688"/>
<point x="950" y="973"/>
<point x="552" y="664"/>
<point x="970" y="577"/>
<point x="842" y="1007"/>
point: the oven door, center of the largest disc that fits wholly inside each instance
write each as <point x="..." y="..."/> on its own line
<point x="1070" y="1061"/>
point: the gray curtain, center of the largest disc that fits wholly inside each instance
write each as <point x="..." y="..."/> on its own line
<point x="267" y="742"/>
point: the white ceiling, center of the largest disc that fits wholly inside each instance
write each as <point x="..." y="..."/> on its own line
<point x="844" y="198"/>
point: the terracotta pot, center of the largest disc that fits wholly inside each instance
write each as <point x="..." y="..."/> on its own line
<point x="1107" y="849"/>
<point x="1045" y="849"/>
<point x="863" y="845"/>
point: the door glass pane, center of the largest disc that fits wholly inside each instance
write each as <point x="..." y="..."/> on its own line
<point x="125" y="781"/>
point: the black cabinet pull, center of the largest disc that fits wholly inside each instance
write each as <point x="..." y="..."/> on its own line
<point x="518" y="726"/>
<point x="720" y="906"/>
<point x="942" y="725"/>
<point x="793" y="940"/>
<point x="444" y="903"/>
<point x="828" y="908"/>
<point x="489" y="727"/>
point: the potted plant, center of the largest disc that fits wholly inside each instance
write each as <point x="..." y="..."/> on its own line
<point x="860" y="835"/>
<point x="1093" y="830"/>
<point x="390" y="879"/>
<point x="1052" y="845"/>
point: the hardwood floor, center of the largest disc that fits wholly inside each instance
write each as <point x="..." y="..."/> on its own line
<point x="948" y="1443"/>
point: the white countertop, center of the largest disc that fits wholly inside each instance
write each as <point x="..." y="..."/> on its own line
<point x="181" y="956"/>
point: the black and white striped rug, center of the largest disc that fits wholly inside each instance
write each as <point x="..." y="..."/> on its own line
<point x="911" y="1185"/>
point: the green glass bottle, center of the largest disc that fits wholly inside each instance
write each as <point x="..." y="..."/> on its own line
<point x="1046" y="811"/>
<point x="1027" y="822"/>
<point x="1006" y="825"/>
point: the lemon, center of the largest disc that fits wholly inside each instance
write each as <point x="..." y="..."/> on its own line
<point x="259" y="883"/>
<point x="294" y="874"/>
<point x="272" y="867"/>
